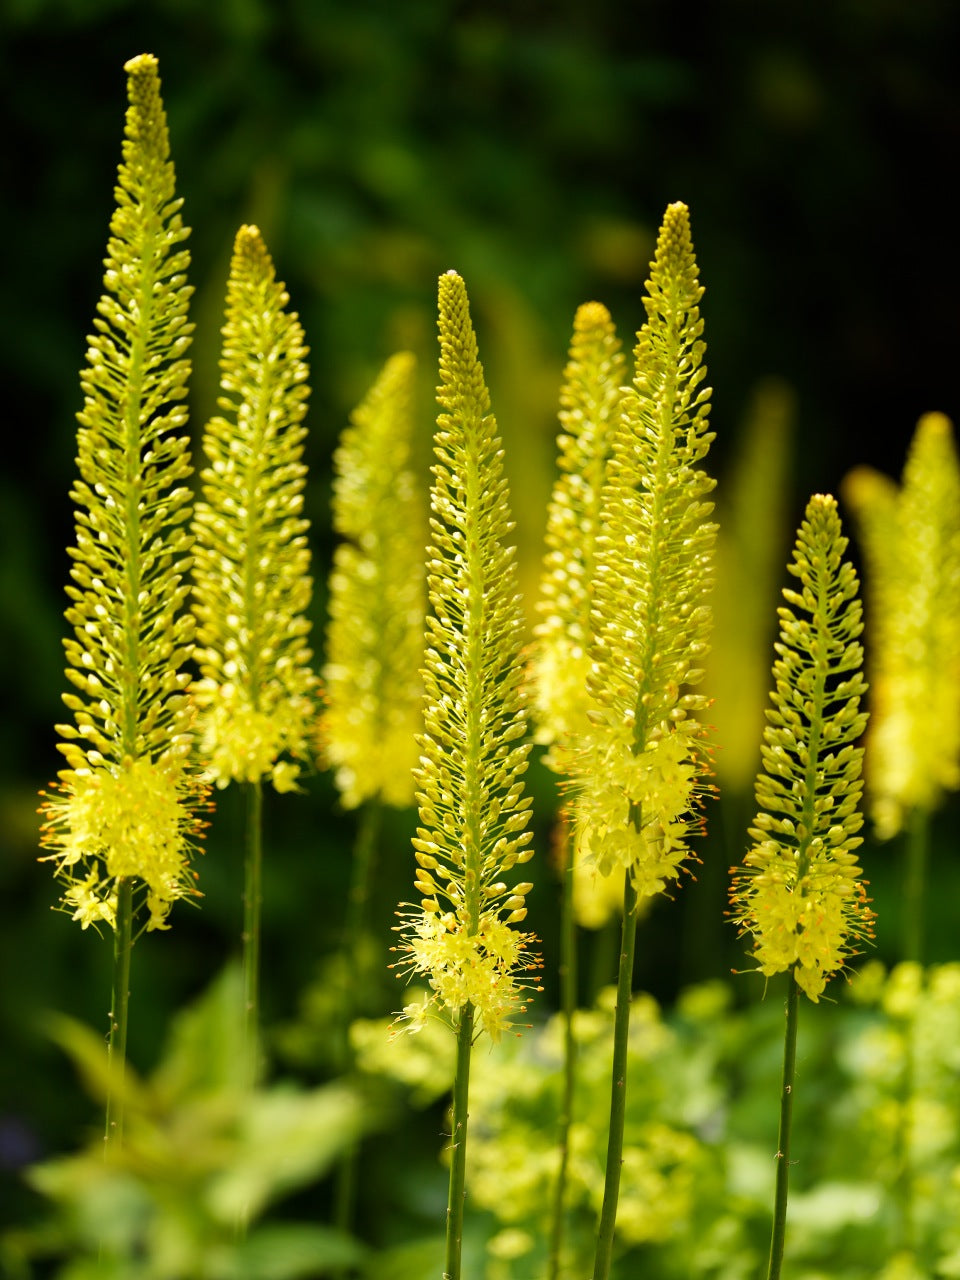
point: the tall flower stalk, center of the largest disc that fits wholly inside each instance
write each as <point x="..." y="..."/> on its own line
<point x="121" y="824"/>
<point x="800" y="895"/>
<point x="372" y="685"/>
<point x="589" y="410"/>
<point x="641" y="761"/>
<point x="473" y="810"/>
<point x="256" y="697"/>
<point x="911" y="543"/>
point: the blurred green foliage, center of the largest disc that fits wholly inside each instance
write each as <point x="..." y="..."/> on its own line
<point x="876" y="1183"/>
<point x="876" y="1147"/>
<point x="533" y="147"/>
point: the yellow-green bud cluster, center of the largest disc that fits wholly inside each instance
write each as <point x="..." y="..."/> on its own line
<point x="589" y="410"/>
<point x="252" y="584"/>
<point x="800" y="894"/>
<point x="911" y="544"/>
<point x="124" y="806"/>
<point x="639" y="766"/>
<point x="378" y="602"/>
<point x="473" y="810"/>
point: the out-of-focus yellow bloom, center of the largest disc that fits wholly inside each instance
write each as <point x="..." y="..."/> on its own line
<point x="252" y="585"/>
<point x="800" y="894"/>
<point x="640" y="764"/>
<point x="378" y="602"/>
<point x="124" y="808"/>
<point x="911" y="545"/>
<point x="589" y="410"/>
<point x="473" y="810"/>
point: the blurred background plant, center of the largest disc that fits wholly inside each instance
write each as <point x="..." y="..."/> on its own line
<point x="533" y="148"/>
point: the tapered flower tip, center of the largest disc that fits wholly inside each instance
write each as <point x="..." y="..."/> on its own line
<point x="142" y="64"/>
<point x="249" y="244"/>
<point x="676" y="225"/>
<point x="864" y="489"/>
<point x="589" y="316"/>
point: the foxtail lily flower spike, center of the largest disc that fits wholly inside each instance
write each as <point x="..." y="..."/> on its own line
<point x="640" y="765"/>
<point x="125" y="807"/>
<point x="473" y="810"/>
<point x="800" y="895"/>
<point x="252" y="585"/>
<point x="372" y="683"/>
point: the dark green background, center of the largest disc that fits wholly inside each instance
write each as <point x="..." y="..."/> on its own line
<point x="533" y="147"/>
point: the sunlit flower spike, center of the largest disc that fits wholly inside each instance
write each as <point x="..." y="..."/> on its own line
<point x="642" y="762"/>
<point x="473" y="810"/>
<point x="800" y="896"/>
<point x="252" y="585"/>
<point x="123" y="818"/>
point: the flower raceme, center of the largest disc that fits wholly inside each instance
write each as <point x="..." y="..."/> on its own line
<point x="800" y="894"/>
<point x="473" y="811"/>
<point x="125" y="808"/>
<point x="252" y="585"/>
<point x="372" y="684"/>
<point x="911" y="543"/>
<point x="639" y="766"/>
<point x="589" y="409"/>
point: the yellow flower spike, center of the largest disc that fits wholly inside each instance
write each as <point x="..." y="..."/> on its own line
<point x="799" y="894"/>
<point x="252" y="585"/>
<point x="911" y="544"/>
<point x="639" y="767"/>
<point x="124" y="811"/>
<point x="473" y="810"/>
<point x="378" y="602"/>
<point x="589" y="409"/>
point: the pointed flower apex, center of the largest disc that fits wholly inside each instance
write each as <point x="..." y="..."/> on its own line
<point x="799" y="893"/>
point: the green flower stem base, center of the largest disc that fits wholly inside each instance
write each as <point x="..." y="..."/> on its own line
<point x="568" y="1000"/>
<point x="252" y="898"/>
<point x="778" y="1234"/>
<point x="458" y="1147"/>
<point x="618" y="1091"/>
<point x="117" y="1040"/>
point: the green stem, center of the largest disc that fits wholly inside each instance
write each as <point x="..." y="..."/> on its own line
<point x="618" y="1090"/>
<point x="252" y="898"/>
<point x="568" y="1002"/>
<point x="778" y="1234"/>
<point x="918" y="852"/>
<point x="120" y="1001"/>
<point x="458" y="1147"/>
<point x="364" y="864"/>
<point x="355" y="950"/>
